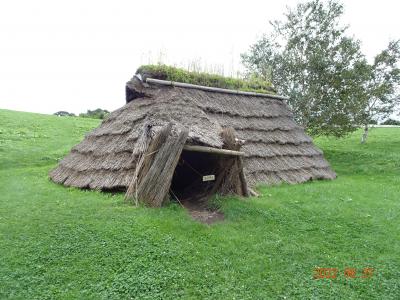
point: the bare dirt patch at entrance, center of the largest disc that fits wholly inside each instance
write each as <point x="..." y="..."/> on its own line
<point x="200" y="212"/>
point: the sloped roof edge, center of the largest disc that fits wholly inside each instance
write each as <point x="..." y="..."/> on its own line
<point x="212" y="89"/>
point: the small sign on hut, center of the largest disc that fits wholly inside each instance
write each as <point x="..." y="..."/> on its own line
<point x="209" y="178"/>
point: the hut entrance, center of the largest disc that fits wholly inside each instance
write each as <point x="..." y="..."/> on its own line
<point x="203" y="171"/>
<point x="166" y="165"/>
<point x="195" y="175"/>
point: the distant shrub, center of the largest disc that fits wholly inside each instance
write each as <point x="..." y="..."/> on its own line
<point x="165" y="72"/>
<point x="95" y="114"/>
<point x="390" y="122"/>
<point x="62" y="113"/>
<point x="373" y="122"/>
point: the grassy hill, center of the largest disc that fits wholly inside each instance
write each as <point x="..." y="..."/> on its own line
<point x="59" y="242"/>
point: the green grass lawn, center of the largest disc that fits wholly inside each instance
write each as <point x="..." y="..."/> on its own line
<point x="65" y="243"/>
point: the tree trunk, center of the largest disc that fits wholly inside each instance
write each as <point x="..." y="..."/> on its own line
<point x="365" y="134"/>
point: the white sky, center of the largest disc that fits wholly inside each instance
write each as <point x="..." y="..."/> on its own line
<point x="77" y="55"/>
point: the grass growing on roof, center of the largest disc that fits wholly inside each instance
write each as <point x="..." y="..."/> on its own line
<point x="66" y="243"/>
<point x="169" y="73"/>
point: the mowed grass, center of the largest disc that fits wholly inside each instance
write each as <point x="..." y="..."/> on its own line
<point x="65" y="243"/>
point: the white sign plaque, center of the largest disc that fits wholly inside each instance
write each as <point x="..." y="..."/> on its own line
<point x="209" y="178"/>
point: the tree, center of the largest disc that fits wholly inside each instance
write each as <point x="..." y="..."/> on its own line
<point x="381" y="89"/>
<point x="63" y="113"/>
<point x="309" y="58"/>
<point x="95" y="114"/>
<point x="391" y="122"/>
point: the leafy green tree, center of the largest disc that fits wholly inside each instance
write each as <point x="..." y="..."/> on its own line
<point x="381" y="89"/>
<point x="309" y="58"/>
<point x="95" y="114"/>
<point x="63" y="113"/>
<point x="391" y="122"/>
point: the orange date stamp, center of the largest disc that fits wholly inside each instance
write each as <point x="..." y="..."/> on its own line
<point x="350" y="273"/>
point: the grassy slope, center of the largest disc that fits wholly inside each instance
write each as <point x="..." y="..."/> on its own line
<point x="67" y="243"/>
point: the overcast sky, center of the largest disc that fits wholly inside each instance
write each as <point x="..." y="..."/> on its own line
<point x="77" y="55"/>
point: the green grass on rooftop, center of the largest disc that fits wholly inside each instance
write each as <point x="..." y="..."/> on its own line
<point x="169" y="73"/>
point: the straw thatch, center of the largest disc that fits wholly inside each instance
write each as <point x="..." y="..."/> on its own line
<point x="276" y="148"/>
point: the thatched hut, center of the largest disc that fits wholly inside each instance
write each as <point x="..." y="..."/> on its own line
<point x="176" y="139"/>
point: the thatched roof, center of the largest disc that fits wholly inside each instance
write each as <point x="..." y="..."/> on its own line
<point x="277" y="149"/>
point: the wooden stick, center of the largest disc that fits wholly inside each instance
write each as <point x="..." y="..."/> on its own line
<point x="213" y="89"/>
<point x="213" y="150"/>
<point x="253" y="193"/>
<point x="242" y="178"/>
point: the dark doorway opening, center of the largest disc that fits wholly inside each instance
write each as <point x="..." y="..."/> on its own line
<point x="188" y="183"/>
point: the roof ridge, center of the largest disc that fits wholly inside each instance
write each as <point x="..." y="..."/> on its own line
<point x="212" y="89"/>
